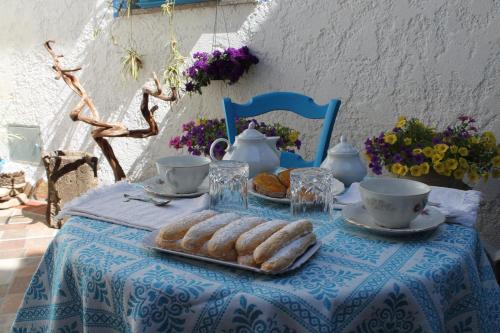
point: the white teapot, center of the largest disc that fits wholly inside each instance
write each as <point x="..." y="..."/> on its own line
<point x="345" y="162"/>
<point x="253" y="147"/>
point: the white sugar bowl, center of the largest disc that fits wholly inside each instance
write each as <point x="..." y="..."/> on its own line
<point x="345" y="163"/>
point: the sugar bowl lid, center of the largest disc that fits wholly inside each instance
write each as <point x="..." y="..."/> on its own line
<point x="343" y="148"/>
<point x="251" y="134"/>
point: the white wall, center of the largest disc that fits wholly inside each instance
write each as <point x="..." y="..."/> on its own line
<point x="434" y="59"/>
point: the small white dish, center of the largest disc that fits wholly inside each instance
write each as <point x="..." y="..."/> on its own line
<point x="338" y="187"/>
<point x="430" y="218"/>
<point x="155" y="186"/>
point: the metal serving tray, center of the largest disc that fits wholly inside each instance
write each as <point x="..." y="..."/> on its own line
<point x="149" y="242"/>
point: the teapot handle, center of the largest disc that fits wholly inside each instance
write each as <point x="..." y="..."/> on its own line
<point x="212" y="147"/>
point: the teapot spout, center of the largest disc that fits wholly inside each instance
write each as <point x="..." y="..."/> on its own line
<point x="272" y="141"/>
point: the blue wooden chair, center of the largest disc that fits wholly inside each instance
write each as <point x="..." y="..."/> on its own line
<point x="287" y="101"/>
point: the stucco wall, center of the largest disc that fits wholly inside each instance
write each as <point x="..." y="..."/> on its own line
<point x="434" y="59"/>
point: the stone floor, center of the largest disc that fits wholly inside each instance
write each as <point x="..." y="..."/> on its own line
<point x="24" y="237"/>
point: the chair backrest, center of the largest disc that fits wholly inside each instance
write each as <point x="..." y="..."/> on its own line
<point x="286" y="101"/>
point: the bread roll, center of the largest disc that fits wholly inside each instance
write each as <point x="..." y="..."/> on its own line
<point x="269" y="184"/>
<point x="284" y="177"/>
<point x="178" y="228"/>
<point x="281" y="238"/>
<point x="248" y="241"/>
<point x="288" y="254"/>
<point x="247" y="260"/>
<point x="223" y="239"/>
<point x="200" y="233"/>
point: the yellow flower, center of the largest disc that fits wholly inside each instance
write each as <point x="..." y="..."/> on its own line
<point x="407" y="141"/>
<point x="474" y="140"/>
<point x="496" y="161"/>
<point x="428" y="151"/>
<point x="424" y="167"/>
<point x="441" y="148"/>
<point x="473" y="176"/>
<point x="451" y="164"/>
<point x="417" y="151"/>
<point x="438" y="167"/>
<point x="399" y="169"/>
<point x="367" y="157"/>
<point x="200" y="121"/>
<point x="459" y="174"/>
<point x="447" y="173"/>
<point x="401" y="122"/>
<point x="454" y="149"/>
<point x="437" y="157"/>
<point x="463" y="163"/>
<point x="415" y="171"/>
<point x="404" y="171"/>
<point x="390" y="138"/>
<point x="489" y="137"/>
<point x="463" y="151"/>
<point x="294" y="136"/>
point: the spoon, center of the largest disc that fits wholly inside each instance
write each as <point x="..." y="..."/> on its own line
<point x="155" y="202"/>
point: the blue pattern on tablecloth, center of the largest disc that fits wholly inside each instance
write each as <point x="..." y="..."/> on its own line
<point x="98" y="276"/>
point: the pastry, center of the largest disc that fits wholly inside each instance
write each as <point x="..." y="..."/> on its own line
<point x="288" y="254"/>
<point x="200" y="233"/>
<point x="224" y="239"/>
<point x="174" y="245"/>
<point x="178" y="228"/>
<point x="269" y="184"/>
<point x="281" y="238"/>
<point x="228" y="256"/>
<point x="248" y="241"/>
<point x="247" y="260"/>
<point x="284" y="177"/>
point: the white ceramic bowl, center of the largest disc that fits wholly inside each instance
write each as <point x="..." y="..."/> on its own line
<point x="183" y="174"/>
<point x="394" y="202"/>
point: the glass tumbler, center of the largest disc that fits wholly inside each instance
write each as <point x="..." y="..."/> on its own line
<point x="228" y="185"/>
<point x="311" y="192"/>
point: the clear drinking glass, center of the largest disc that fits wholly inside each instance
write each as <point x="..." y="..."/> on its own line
<point x="228" y="185"/>
<point x="311" y="192"/>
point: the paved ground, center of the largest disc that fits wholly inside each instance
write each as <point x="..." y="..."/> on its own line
<point x="24" y="237"/>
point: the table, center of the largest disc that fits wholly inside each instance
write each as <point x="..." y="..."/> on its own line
<point x="96" y="275"/>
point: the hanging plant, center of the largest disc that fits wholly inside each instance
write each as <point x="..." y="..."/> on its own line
<point x="227" y="65"/>
<point x="132" y="63"/>
<point x="172" y="74"/>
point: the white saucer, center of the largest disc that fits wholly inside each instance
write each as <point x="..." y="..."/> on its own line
<point x="154" y="186"/>
<point x="338" y="187"/>
<point x="430" y="219"/>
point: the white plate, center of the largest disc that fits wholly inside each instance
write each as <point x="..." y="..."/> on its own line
<point x="338" y="187"/>
<point x="154" y="186"/>
<point x="149" y="242"/>
<point x="430" y="219"/>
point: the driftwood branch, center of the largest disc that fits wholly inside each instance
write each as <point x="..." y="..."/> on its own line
<point x="102" y="129"/>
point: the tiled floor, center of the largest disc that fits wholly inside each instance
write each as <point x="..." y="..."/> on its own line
<point x="24" y="237"/>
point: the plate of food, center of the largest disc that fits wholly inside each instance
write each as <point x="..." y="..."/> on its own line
<point x="276" y="187"/>
<point x="245" y="242"/>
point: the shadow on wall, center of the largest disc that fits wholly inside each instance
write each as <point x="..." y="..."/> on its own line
<point x="118" y="99"/>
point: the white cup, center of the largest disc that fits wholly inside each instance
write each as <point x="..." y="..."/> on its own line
<point x="393" y="202"/>
<point x="183" y="174"/>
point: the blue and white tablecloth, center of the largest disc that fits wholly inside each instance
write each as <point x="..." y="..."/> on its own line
<point x="97" y="277"/>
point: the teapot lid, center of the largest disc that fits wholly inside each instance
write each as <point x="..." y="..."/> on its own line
<point x="343" y="148"/>
<point x="251" y="134"/>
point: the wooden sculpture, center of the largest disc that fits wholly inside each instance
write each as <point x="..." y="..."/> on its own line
<point x="102" y="129"/>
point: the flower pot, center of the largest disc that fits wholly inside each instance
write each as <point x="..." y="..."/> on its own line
<point x="434" y="179"/>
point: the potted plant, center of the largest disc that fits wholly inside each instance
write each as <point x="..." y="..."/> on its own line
<point x="227" y="65"/>
<point x="441" y="158"/>
<point x="198" y="136"/>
